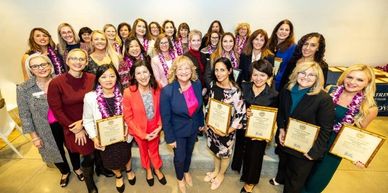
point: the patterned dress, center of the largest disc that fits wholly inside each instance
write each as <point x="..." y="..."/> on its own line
<point x="222" y="146"/>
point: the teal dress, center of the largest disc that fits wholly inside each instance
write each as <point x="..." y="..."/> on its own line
<point x="324" y="170"/>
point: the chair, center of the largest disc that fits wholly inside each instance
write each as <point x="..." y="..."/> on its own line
<point x="7" y="124"/>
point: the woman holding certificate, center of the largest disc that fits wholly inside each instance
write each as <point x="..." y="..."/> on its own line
<point x="103" y="104"/>
<point x="65" y="98"/>
<point x="303" y="103"/>
<point x="225" y="90"/>
<point x="142" y="115"/>
<point x="354" y="105"/>
<point x="256" y="92"/>
<point x="182" y="115"/>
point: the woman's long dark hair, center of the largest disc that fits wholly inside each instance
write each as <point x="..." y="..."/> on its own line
<point x="153" y="83"/>
<point x="101" y="70"/>
<point x="229" y="67"/>
<point x="142" y="50"/>
<point x="273" y="41"/>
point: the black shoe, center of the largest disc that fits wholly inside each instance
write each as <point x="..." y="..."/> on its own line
<point x="122" y="187"/>
<point x="243" y="190"/>
<point x="80" y="177"/>
<point x="133" y="180"/>
<point x="107" y="173"/>
<point x="273" y="182"/>
<point x="88" y="173"/>
<point x="64" y="181"/>
<point x="150" y="181"/>
<point x="162" y="180"/>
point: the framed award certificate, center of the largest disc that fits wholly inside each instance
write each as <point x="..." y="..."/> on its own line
<point x="356" y="144"/>
<point x="218" y="116"/>
<point x="300" y="135"/>
<point x="277" y="63"/>
<point x="261" y="124"/>
<point x="110" y="130"/>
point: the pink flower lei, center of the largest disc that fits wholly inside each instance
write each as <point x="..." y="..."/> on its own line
<point x="58" y="67"/>
<point x="240" y="43"/>
<point x="178" y="46"/>
<point x="163" y="61"/>
<point x="211" y="49"/>
<point x="103" y="106"/>
<point x="232" y="58"/>
<point x="353" y="107"/>
<point x="145" y="43"/>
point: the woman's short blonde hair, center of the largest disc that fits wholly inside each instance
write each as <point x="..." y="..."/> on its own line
<point x="37" y="55"/>
<point x="77" y="50"/>
<point x="242" y="25"/>
<point x="302" y="67"/>
<point x="180" y="60"/>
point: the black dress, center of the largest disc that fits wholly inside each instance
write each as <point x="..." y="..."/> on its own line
<point x="115" y="156"/>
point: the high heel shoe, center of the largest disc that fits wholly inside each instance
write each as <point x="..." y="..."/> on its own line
<point x="150" y="182"/>
<point x="80" y="176"/>
<point x="122" y="187"/>
<point x="162" y="180"/>
<point x="64" y="181"/>
<point x="133" y="180"/>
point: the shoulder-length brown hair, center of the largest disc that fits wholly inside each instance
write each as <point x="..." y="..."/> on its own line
<point x="273" y="41"/>
<point x="34" y="47"/>
<point x="264" y="50"/>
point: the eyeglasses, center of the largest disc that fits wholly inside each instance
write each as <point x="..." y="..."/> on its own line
<point x="37" y="66"/>
<point x="309" y="76"/>
<point x="214" y="37"/>
<point x="74" y="59"/>
<point x="163" y="43"/>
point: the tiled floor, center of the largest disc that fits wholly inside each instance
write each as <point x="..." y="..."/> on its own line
<point x="31" y="175"/>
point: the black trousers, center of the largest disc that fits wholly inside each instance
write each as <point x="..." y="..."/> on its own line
<point x="281" y="174"/>
<point x="59" y="138"/>
<point x="239" y="149"/>
<point x="297" y="171"/>
<point x="253" y="160"/>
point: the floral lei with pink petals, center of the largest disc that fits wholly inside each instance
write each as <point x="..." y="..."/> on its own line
<point x="240" y="43"/>
<point x="58" y="67"/>
<point x="211" y="49"/>
<point x="102" y="104"/>
<point x="145" y="44"/>
<point x="353" y="107"/>
<point x="178" y="46"/>
<point x="232" y="58"/>
<point x="163" y="61"/>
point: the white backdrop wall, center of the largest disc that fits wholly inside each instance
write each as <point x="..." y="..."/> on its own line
<point x="356" y="31"/>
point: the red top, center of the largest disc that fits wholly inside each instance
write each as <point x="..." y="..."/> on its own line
<point x="135" y="114"/>
<point x="65" y="97"/>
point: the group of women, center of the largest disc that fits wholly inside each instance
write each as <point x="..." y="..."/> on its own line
<point x="159" y="79"/>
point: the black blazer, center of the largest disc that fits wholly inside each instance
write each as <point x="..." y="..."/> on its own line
<point x="315" y="109"/>
<point x="245" y="66"/>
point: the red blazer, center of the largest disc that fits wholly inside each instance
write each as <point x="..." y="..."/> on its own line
<point x="135" y="114"/>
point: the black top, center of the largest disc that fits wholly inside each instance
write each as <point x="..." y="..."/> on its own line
<point x="245" y="66"/>
<point x="268" y="97"/>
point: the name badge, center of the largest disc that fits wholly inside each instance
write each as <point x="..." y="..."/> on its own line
<point x="38" y="94"/>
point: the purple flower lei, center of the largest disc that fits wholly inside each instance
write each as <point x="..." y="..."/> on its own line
<point x="145" y="43"/>
<point x="210" y="49"/>
<point x="58" y="67"/>
<point x="240" y="43"/>
<point x="232" y="58"/>
<point x="353" y="107"/>
<point x="178" y="47"/>
<point x="163" y="61"/>
<point x="103" y="106"/>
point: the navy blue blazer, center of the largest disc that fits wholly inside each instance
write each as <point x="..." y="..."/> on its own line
<point x="175" y="115"/>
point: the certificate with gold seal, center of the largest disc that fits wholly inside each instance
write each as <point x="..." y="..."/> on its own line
<point x="218" y="116"/>
<point x="110" y="130"/>
<point x="261" y="124"/>
<point x="356" y="144"/>
<point x="300" y="135"/>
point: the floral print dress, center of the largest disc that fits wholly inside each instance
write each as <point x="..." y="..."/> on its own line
<point x="222" y="146"/>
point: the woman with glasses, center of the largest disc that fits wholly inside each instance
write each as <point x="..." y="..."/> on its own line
<point x="38" y="119"/>
<point x="162" y="61"/>
<point x="65" y="97"/>
<point x="211" y="44"/>
<point x="304" y="99"/>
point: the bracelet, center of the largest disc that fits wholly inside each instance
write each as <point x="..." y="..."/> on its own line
<point x="35" y="139"/>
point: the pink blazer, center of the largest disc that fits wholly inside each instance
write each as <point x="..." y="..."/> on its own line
<point x="158" y="70"/>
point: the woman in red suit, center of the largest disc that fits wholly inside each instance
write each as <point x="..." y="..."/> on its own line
<point x="142" y="115"/>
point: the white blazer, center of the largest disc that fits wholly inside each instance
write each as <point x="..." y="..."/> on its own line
<point x="91" y="114"/>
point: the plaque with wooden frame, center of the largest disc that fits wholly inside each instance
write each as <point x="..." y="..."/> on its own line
<point x="261" y="124"/>
<point x="355" y="144"/>
<point x="110" y="130"/>
<point x="218" y="116"/>
<point x="300" y="135"/>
